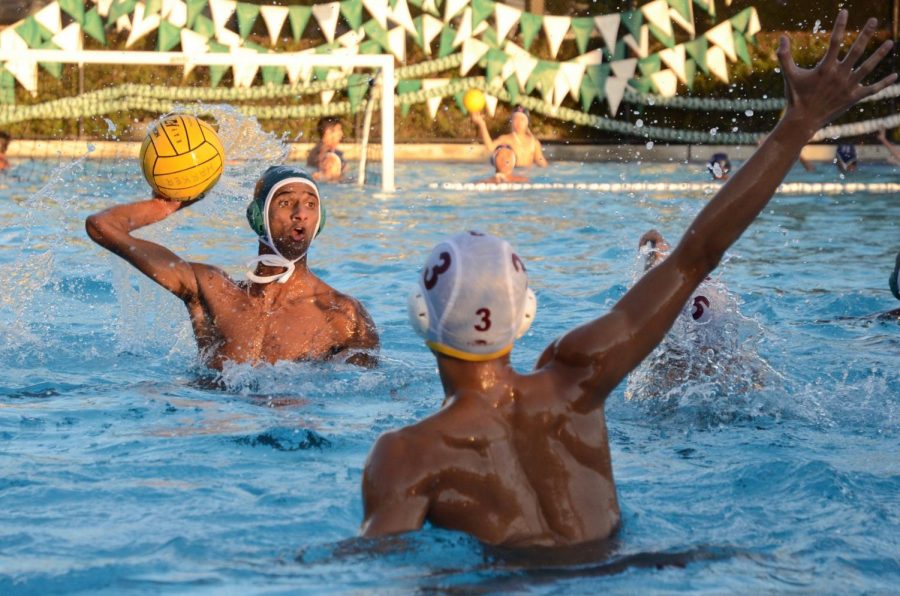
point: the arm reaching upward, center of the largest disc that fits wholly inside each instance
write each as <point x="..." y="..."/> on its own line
<point x="894" y="151"/>
<point x="607" y="348"/>
<point x="478" y="119"/>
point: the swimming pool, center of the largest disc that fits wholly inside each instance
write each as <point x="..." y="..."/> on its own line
<point x="123" y="470"/>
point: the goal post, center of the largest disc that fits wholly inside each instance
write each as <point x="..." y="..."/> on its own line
<point x="383" y="64"/>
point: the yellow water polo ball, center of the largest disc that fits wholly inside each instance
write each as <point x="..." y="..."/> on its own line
<point x="182" y="157"/>
<point x="474" y="100"/>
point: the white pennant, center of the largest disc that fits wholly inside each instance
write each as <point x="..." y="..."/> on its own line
<point x="465" y="28"/>
<point x="400" y="15"/>
<point x="573" y="72"/>
<point x="431" y="28"/>
<point x="327" y="96"/>
<point x="430" y="6"/>
<point x="174" y="11"/>
<point x="300" y="71"/>
<point x="274" y="17"/>
<point x="452" y="8"/>
<point x="123" y="23"/>
<point x="721" y="36"/>
<point x="687" y="25"/>
<point x="556" y="29"/>
<point x="560" y="89"/>
<point x="379" y="11"/>
<point x="139" y="25"/>
<point x="243" y="73"/>
<point x="24" y="70"/>
<point x="666" y="82"/>
<point x="675" y="59"/>
<point x="50" y="17"/>
<point x="221" y="11"/>
<point x="515" y="51"/>
<point x="608" y="26"/>
<point x="753" y="26"/>
<point x="524" y="67"/>
<point x="11" y="42"/>
<point x="642" y="49"/>
<point x="506" y="18"/>
<point x="102" y="7"/>
<point x="228" y="37"/>
<point x="490" y="103"/>
<point x="397" y="43"/>
<point x="591" y="58"/>
<point x="715" y="61"/>
<point x="480" y="28"/>
<point x="352" y="39"/>
<point x="509" y="69"/>
<point x="472" y="51"/>
<point x="615" y="90"/>
<point x="327" y="16"/>
<point x="70" y="39"/>
<point x="433" y="102"/>
<point x="657" y="14"/>
<point x="192" y="44"/>
<point x="624" y="69"/>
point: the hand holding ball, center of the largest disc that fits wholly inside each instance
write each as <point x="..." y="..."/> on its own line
<point x="474" y="101"/>
<point x="182" y="157"/>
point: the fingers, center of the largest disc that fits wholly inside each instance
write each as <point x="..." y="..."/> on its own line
<point x="876" y="87"/>
<point x="837" y="36"/>
<point x="859" y="45"/>
<point x="788" y="67"/>
<point x="872" y="61"/>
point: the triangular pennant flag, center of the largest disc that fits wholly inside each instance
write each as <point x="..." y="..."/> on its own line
<point x="357" y="87"/>
<point x="50" y="18"/>
<point x="396" y="39"/>
<point x="71" y="40"/>
<point x="657" y="14"/>
<point x="400" y="15"/>
<point x="433" y="102"/>
<point x="452" y="8"/>
<point x="624" y="69"/>
<point x="351" y="10"/>
<point x="243" y="73"/>
<point x="273" y="75"/>
<point x="684" y="8"/>
<point x="608" y="26"/>
<point x="506" y="18"/>
<point x="708" y="5"/>
<point x="514" y="50"/>
<point x="431" y="7"/>
<point x="632" y="20"/>
<point x="696" y="49"/>
<point x="615" y="90"/>
<point x="26" y="72"/>
<point x="299" y="17"/>
<point x="175" y="11"/>
<point x="690" y="70"/>
<point x="274" y="18"/>
<point x="351" y="39"/>
<point x="472" y="51"/>
<point x="221" y="11"/>
<point x="721" y="36"/>
<point x="102" y="7"/>
<point x="667" y="40"/>
<point x="204" y="26"/>
<point x="588" y="93"/>
<point x="715" y="61"/>
<point x="529" y="25"/>
<point x="496" y="59"/>
<point x="429" y="28"/>
<point x="370" y="47"/>
<point x="119" y="9"/>
<point x="192" y="44"/>
<point x="512" y="87"/>
<point x="327" y="17"/>
<point x="54" y="68"/>
<point x="675" y="59"/>
<point x="123" y="23"/>
<point x="378" y="9"/>
<point x="229" y="38"/>
<point x="596" y="75"/>
<point x="445" y="47"/>
<point x="194" y="9"/>
<point x="167" y="37"/>
<point x="246" y="18"/>
<point x="543" y="78"/>
<point x="481" y="10"/>
<point x="679" y="20"/>
<point x="753" y="27"/>
<point x="407" y="86"/>
<point x="465" y="28"/>
<point x="642" y="48"/>
<point x="560" y="89"/>
<point x="741" y="19"/>
<point x="525" y="65"/>
<point x="593" y="57"/>
<point x="650" y="65"/>
<point x="73" y="8"/>
<point x="458" y="98"/>
<point x="298" y="71"/>
<point x="740" y="48"/>
<point x="30" y="31"/>
<point x="374" y="32"/>
<point x="153" y="7"/>
<point x="556" y="29"/>
<point x="490" y="104"/>
<point x="573" y="72"/>
<point x="217" y="71"/>
<point x="665" y="82"/>
<point x="582" y="27"/>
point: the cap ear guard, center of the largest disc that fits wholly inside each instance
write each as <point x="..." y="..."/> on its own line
<point x="528" y="314"/>
<point x="417" y="309"/>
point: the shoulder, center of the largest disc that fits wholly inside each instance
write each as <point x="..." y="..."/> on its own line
<point x="395" y="459"/>
<point x="211" y="274"/>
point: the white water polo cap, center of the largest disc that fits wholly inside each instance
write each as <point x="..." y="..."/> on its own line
<point x="472" y="300"/>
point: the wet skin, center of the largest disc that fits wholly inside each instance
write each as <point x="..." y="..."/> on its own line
<point x="302" y="319"/>
<point x="504" y="162"/>
<point x="523" y="459"/>
<point x="527" y="147"/>
<point x="331" y="139"/>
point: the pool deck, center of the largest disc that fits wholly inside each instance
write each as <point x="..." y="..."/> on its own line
<point x="457" y="152"/>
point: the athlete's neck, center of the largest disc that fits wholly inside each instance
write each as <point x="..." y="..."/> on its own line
<point x="473" y="378"/>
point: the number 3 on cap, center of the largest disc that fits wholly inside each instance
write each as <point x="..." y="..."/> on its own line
<point x="485" y="324"/>
<point x="436" y="271"/>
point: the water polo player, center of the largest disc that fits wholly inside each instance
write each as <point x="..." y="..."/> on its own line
<point x="845" y="158"/>
<point x="331" y="168"/>
<point x="520" y="138"/>
<point x="284" y="312"/>
<point x="523" y="459"/>
<point x="719" y="166"/>
<point x="504" y="161"/>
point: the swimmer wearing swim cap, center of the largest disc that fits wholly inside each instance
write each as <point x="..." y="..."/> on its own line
<point x="504" y="161"/>
<point x="523" y="459"/>
<point x="719" y="166"/>
<point x="331" y="168"/>
<point x="845" y="158"/>
<point x="526" y="146"/>
<point x="283" y="311"/>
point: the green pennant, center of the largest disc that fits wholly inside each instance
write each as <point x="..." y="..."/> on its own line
<point x="481" y="9"/>
<point x="495" y="60"/>
<point x="217" y="71"/>
<point x="417" y="3"/>
<point x="696" y="49"/>
<point x="460" y="103"/>
<point x="708" y="5"/>
<point x="683" y="8"/>
<point x="299" y="17"/>
<point x="445" y="47"/>
<point x="741" y="19"/>
<point x="30" y="31"/>
<point x="369" y="47"/>
<point x="650" y="64"/>
<point x="407" y="86"/>
<point x="582" y="27"/>
<point x="119" y="9"/>
<point x="542" y="78"/>
<point x="152" y="7"/>
<point x="690" y="73"/>
<point x="420" y="34"/>
<point x="376" y="33"/>
<point x="271" y="75"/>
<point x="7" y="87"/>
<point x="644" y="86"/>
<point x="598" y="74"/>
<point x="490" y="37"/>
<point x="357" y="88"/>
<point x="619" y="53"/>
<point x="351" y="10"/>
<point x="74" y="8"/>
<point x="512" y="87"/>
<point x="632" y="20"/>
<point x="667" y="40"/>
<point x="54" y="68"/>
<point x="167" y="36"/>
<point x="529" y="25"/>
<point x="194" y="8"/>
<point x="93" y="25"/>
<point x="740" y="48"/>
<point x="588" y="93"/>
<point x="204" y="26"/>
<point x="246" y="18"/>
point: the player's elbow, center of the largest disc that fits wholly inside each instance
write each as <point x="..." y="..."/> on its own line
<point x="96" y="228"/>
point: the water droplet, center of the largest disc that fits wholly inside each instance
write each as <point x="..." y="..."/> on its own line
<point x="649" y="145"/>
<point x="748" y="113"/>
<point x="639" y="123"/>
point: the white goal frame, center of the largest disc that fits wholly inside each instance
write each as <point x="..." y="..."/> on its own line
<point x="382" y="63"/>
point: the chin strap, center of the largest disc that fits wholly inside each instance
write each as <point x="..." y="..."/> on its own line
<point x="276" y="260"/>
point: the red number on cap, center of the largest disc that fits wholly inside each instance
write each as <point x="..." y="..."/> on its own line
<point x="436" y="271"/>
<point x="700" y="304"/>
<point x="485" y="314"/>
<point x="517" y="263"/>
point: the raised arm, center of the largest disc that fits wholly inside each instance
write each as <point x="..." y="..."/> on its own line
<point x="112" y="229"/>
<point x="606" y="349"/>
<point x="894" y="151"/>
<point x="478" y="119"/>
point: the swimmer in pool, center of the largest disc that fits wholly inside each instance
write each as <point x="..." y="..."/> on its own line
<point x="523" y="142"/>
<point x="504" y="161"/>
<point x="283" y="311"/>
<point x="523" y="460"/>
<point x="894" y="152"/>
<point x="719" y="166"/>
<point x="331" y="168"/>
<point x="894" y="285"/>
<point x="331" y="132"/>
<point x="845" y="158"/>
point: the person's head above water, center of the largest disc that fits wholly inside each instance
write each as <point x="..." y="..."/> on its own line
<point x="472" y="300"/>
<point x="504" y="159"/>
<point x="518" y="120"/>
<point x="330" y="130"/>
<point x="719" y="166"/>
<point x="845" y="157"/>
<point x="286" y="214"/>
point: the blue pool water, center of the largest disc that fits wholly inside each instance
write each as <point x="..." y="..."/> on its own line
<point x="122" y="471"/>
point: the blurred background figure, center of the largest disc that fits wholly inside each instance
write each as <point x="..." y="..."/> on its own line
<point x="719" y="166"/>
<point x="845" y="158"/>
<point x="894" y="151"/>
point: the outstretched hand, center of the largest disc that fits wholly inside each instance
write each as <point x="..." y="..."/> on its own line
<point x="818" y="95"/>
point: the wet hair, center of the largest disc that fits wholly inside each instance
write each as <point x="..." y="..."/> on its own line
<point x="721" y="160"/>
<point x="4" y="141"/>
<point x="326" y="123"/>
<point x="845" y="154"/>
<point x="497" y="150"/>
